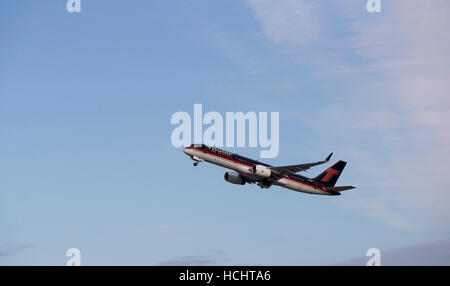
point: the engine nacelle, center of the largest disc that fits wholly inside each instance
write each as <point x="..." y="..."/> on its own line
<point x="261" y="171"/>
<point x="234" y="178"/>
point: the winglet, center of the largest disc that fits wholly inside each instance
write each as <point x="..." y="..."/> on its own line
<point x="329" y="157"/>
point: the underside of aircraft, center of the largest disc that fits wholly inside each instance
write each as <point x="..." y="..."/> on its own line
<point x="246" y="170"/>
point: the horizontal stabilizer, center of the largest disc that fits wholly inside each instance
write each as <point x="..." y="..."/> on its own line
<point x="340" y="188"/>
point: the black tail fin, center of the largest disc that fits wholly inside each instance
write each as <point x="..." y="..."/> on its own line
<point x="330" y="176"/>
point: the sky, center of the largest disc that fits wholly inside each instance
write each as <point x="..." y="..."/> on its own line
<point x="85" y="136"/>
<point x="435" y="253"/>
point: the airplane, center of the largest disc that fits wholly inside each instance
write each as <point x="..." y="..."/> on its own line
<point x="251" y="171"/>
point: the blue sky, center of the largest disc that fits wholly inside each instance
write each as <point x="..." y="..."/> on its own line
<point x="86" y="100"/>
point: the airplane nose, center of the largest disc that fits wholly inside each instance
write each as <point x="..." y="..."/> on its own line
<point x="185" y="150"/>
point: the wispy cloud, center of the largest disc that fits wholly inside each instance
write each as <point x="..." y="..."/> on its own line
<point x="13" y="249"/>
<point x="394" y="69"/>
<point x="436" y="253"/>
<point x="213" y="257"/>
<point x="289" y="23"/>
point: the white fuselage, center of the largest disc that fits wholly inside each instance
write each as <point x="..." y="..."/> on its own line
<point x="246" y="170"/>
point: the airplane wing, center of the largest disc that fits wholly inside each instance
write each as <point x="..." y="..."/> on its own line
<point x="298" y="168"/>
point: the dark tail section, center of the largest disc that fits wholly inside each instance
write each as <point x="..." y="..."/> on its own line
<point x="331" y="175"/>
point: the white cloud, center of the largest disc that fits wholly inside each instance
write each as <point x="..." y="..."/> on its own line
<point x="290" y="23"/>
<point x="395" y="66"/>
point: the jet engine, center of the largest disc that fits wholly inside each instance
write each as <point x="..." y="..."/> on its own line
<point x="234" y="178"/>
<point x="261" y="171"/>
